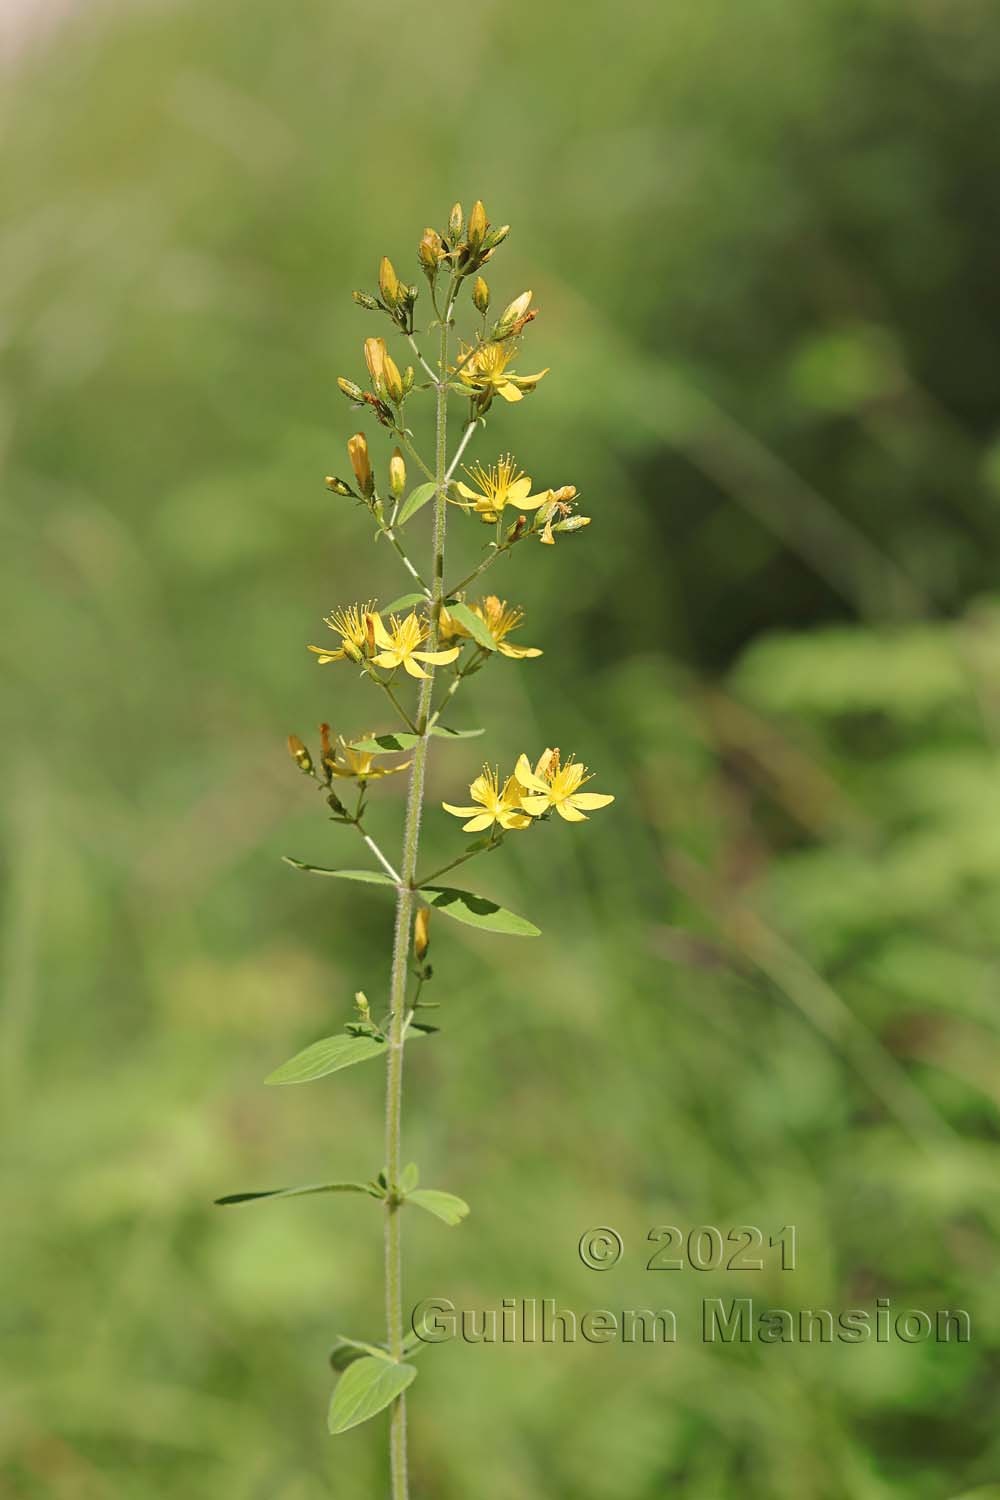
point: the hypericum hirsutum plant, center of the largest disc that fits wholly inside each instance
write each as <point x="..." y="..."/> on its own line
<point x="438" y="635"/>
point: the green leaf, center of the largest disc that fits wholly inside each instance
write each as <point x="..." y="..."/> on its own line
<point x="409" y="1177"/>
<point x="327" y="1056"/>
<point x="386" y="744"/>
<point x="443" y="1205"/>
<point x="415" y="501"/>
<point x="367" y="1387"/>
<point x="477" y="911"/>
<point x="333" y="1053"/>
<point x="473" y="624"/>
<point x="368" y="877"/>
<point x="346" y="1351"/>
<point x="298" y="1192"/>
<point x="405" y="601"/>
<point x="390" y="744"/>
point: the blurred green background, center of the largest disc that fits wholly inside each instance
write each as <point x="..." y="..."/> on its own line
<point x="763" y="239"/>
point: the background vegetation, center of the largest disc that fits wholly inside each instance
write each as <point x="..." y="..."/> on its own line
<point x="763" y="238"/>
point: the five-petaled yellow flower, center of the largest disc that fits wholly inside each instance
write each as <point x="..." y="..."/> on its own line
<point x="350" y="625"/>
<point x="348" y="764"/>
<point x="485" y="372"/>
<point x="496" y="804"/>
<point x="399" y="645"/>
<point x="553" y="784"/>
<point x="500" y="485"/>
<point x="499" y="621"/>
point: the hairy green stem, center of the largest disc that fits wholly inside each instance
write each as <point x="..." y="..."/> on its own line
<point x="405" y="897"/>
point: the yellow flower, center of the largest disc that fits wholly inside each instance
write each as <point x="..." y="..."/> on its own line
<point x="555" y="785"/>
<point x="500" y="485"/>
<point x="485" y="371"/>
<point x="348" y="764"/>
<point x="496" y="804"/>
<point x="499" y="621"/>
<point x="558" y="515"/>
<point x="350" y="625"/>
<point x="399" y="645"/>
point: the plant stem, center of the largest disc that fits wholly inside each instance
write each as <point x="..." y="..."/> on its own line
<point x="454" y="864"/>
<point x="486" y="563"/>
<point x="405" y="897"/>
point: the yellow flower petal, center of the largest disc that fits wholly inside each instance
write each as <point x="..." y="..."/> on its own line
<point x="527" y="777"/>
<point x="409" y="665"/>
<point x="437" y="658"/>
<point x="382" y="636"/>
<point x="518" y="652"/>
<point x="532" y="502"/>
<point x="568" y="811"/>
<point x="508" y="391"/>
<point x="535" y="805"/>
<point x="461" y="812"/>
<point x="513" y="820"/>
<point x="477" y="824"/>
<point x="572" y="775"/>
<point x="387" y="659"/>
<point x="519" y="490"/>
<point x="591" y="800"/>
<point x="324" y="655"/>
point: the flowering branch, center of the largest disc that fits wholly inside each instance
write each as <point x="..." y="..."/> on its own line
<point x="413" y="639"/>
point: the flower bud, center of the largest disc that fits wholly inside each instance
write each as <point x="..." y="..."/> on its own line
<point x="455" y="222"/>
<point x="421" y="932"/>
<point x="397" y="473"/>
<point x="326" y="750"/>
<point x="351" y="391"/>
<point x="300" y="754"/>
<point x="393" y="379"/>
<point x="496" y="237"/>
<point x="375" y="360"/>
<point x="572" y="523"/>
<point x="480" y="295"/>
<point x="564" y="495"/>
<point x="409" y="376"/>
<point x="361" y="1001"/>
<point x="337" y="485"/>
<point x="478" y="223"/>
<point x="365" y="299"/>
<point x="513" y="316"/>
<point x="430" y="251"/>
<point x="357" y="451"/>
<point x="388" y="282"/>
